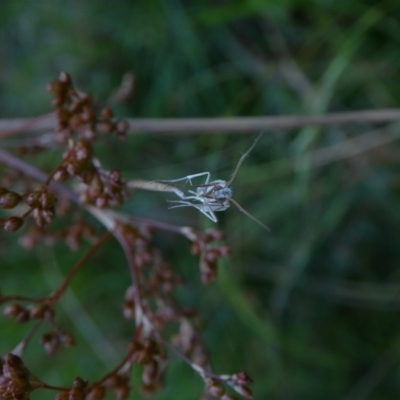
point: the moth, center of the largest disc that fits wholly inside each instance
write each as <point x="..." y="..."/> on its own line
<point x="211" y="197"/>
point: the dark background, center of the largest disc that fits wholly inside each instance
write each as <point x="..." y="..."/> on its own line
<point x="311" y="310"/>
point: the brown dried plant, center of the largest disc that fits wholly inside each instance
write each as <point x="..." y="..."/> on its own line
<point x="80" y="184"/>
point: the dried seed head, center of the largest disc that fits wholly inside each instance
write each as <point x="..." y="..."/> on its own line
<point x="214" y="234"/>
<point x="107" y="113"/>
<point x="67" y="339"/>
<point x="89" y="133"/>
<point x="12" y="310"/>
<point x="19" y="383"/>
<point x="241" y="378"/>
<point x="33" y="199"/>
<point x="97" y="392"/>
<point x="115" y="177"/>
<point x="224" y="251"/>
<point x="150" y="372"/>
<point x="48" y="214"/>
<point x="42" y="312"/>
<point x="215" y="387"/>
<point x="47" y="200"/>
<point x="102" y="201"/>
<point x="63" y="395"/>
<point x="12" y="224"/>
<point x="195" y="248"/>
<point x="9" y="200"/>
<point x="37" y="215"/>
<point x="60" y="175"/>
<point x="82" y="150"/>
<point x="50" y="341"/>
<point x="56" y="88"/>
<point x="96" y="186"/>
<point x="122" y="392"/>
<point x="128" y="309"/>
<point x="74" y="167"/>
<point x="65" y="78"/>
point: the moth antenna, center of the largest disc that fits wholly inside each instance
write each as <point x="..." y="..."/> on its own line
<point x="242" y="159"/>
<point x="249" y="215"/>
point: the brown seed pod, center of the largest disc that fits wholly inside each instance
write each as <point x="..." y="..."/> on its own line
<point x="9" y="200"/>
<point x="12" y="224"/>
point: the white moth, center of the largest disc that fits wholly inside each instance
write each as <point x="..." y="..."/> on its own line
<point x="210" y="197"/>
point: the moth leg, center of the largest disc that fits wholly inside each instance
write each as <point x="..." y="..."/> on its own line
<point x="207" y="212"/>
<point x="189" y="178"/>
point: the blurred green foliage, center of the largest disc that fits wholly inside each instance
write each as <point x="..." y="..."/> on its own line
<point x="311" y="310"/>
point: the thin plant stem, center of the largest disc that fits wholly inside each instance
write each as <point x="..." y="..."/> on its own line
<point x="227" y="125"/>
<point x="58" y="293"/>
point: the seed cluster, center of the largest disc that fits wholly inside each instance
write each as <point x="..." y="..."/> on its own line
<point x="16" y="382"/>
<point x="160" y="322"/>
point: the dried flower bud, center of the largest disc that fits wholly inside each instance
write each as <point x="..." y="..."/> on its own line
<point x="23" y="316"/>
<point x="107" y="126"/>
<point x="97" y="392"/>
<point x="9" y="200"/>
<point x="224" y="251"/>
<point x="42" y="311"/>
<point x="116" y="199"/>
<point x="60" y="175"/>
<point x="56" y="88"/>
<point x="19" y="383"/>
<point x="208" y="271"/>
<point x="107" y="113"/>
<point x="115" y="177"/>
<point x="214" y="234"/>
<point x="79" y="384"/>
<point x="58" y="102"/>
<point x="63" y="395"/>
<point x="87" y="114"/>
<point x="89" y="133"/>
<point x="73" y="167"/>
<point x="75" y="121"/>
<point x="33" y="199"/>
<point x="63" y="115"/>
<point x="12" y="310"/>
<point x="215" y="387"/>
<point x="128" y="309"/>
<point x="67" y="339"/>
<point x="120" y="384"/>
<point x="78" y="390"/>
<point x="50" y="341"/>
<point x="122" y="392"/>
<point x="12" y="224"/>
<point x="82" y="150"/>
<point x="96" y="186"/>
<point x="212" y="255"/>
<point x="102" y="201"/>
<point x="195" y="248"/>
<point x="37" y="215"/>
<point x="48" y="214"/>
<point x="64" y="77"/>
<point x="241" y="378"/>
<point x="87" y="99"/>
<point x="47" y="200"/>
<point x="150" y="372"/>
